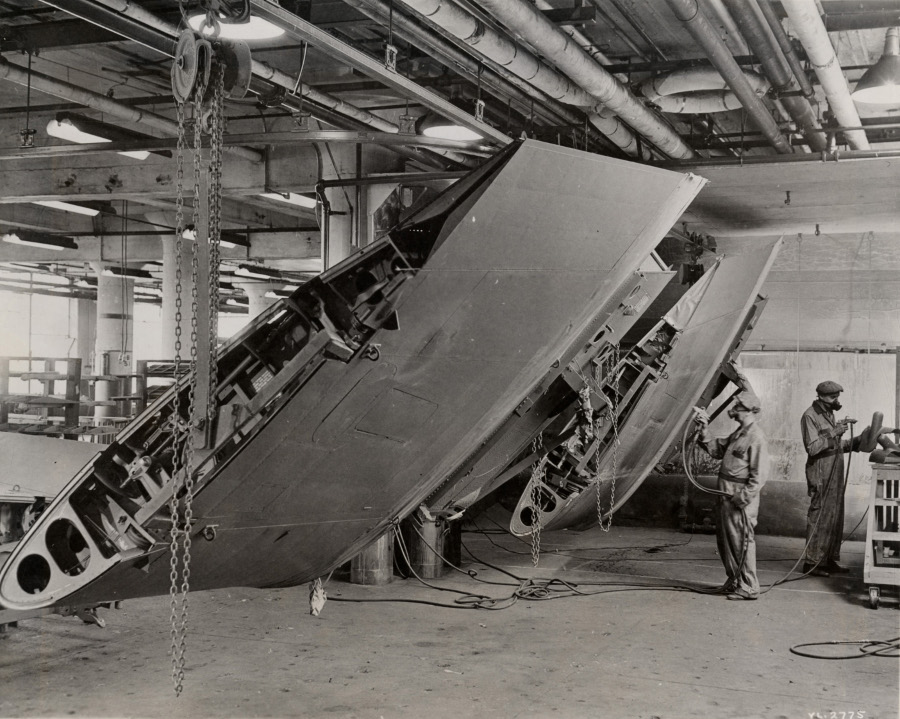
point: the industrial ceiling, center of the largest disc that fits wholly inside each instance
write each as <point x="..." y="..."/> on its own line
<point x="752" y="94"/>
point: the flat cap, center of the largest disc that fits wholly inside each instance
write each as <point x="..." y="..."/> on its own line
<point x="828" y="387"/>
<point x="749" y="400"/>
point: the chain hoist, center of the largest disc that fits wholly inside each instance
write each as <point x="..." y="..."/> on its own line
<point x="192" y="85"/>
<point x="536" y="484"/>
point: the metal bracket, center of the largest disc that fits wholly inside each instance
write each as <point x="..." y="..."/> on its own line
<point x="408" y="124"/>
<point x="390" y="57"/>
<point x="301" y="121"/>
<point x="479" y="110"/>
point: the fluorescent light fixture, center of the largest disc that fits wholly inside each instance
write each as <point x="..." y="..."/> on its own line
<point x="234" y="238"/>
<point x="880" y="84"/>
<point x="38" y="239"/>
<point x="84" y="130"/>
<point x="277" y="294"/>
<point x="86" y="283"/>
<point x="432" y="125"/>
<point x="258" y="272"/>
<point x="254" y="29"/>
<point x="154" y="291"/>
<point x="291" y="198"/>
<point x="237" y="302"/>
<point x="228" y="239"/>
<point x="127" y="272"/>
<point x="68" y="207"/>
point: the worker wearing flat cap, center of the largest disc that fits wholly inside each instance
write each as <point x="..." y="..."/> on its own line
<point x="741" y="477"/>
<point x="825" y="447"/>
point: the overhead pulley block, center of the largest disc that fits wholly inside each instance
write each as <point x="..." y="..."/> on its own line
<point x="237" y="67"/>
<point x="191" y="67"/>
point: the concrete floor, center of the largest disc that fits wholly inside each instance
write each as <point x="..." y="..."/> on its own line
<point x="623" y="653"/>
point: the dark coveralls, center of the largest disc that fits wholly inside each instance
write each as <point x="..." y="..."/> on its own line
<point x="825" y="485"/>
<point x="743" y="453"/>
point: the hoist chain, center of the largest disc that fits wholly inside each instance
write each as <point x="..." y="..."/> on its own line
<point x="217" y="133"/>
<point x="177" y="425"/>
<point x="536" y="483"/>
<point x="183" y="431"/>
<point x="614" y="417"/>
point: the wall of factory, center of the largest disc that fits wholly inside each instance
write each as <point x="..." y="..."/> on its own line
<point x="785" y="383"/>
<point x="835" y="292"/>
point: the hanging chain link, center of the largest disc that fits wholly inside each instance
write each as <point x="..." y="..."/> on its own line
<point x="182" y="429"/>
<point x="177" y="425"/>
<point x="217" y="134"/>
<point x="536" y="483"/>
<point x="615" y="371"/>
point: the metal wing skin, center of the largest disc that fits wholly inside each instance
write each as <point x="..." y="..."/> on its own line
<point x="343" y="406"/>
<point x="651" y="396"/>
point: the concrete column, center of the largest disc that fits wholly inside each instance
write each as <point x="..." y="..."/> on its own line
<point x="115" y="327"/>
<point x="256" y="293"/>
<point x="87" y="334"/>
<point x="169" y="283"/>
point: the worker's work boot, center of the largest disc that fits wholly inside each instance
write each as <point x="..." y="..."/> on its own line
<point x="741" y="594"/>
<point x="836" y="568"/>
<point x="814" y="570"/>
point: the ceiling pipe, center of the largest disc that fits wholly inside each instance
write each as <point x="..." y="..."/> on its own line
<point x="758" y="37"/>
<point x="697" y="24"/>
<point x="527" y="21"/>
<point x="517" y="60"/>
<point x="730" y="34"/>
<point x="584" y="42"/>
<point x="129" y="113"/>
<point x="787" y="48"/>
<point x="498" y="78"/>
<point x="808" y="27"/>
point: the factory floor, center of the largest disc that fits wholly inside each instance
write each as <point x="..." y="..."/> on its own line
<point x="622" y="651"/>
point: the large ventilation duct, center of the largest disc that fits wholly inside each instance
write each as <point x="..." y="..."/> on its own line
<point x="811" y="31"/>
<point x="559" y="49"/>
<point x="696" y="22"/>
<point x="758" y="36"/>
<point x="494" y="46"/>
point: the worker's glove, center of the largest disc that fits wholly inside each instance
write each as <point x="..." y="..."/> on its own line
<point x="700" y="417"/>
<point x="740" y="499"/>
<point x="812" y="489"/>
<point x="837" y="430"/>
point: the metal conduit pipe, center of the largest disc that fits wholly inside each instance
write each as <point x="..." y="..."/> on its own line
<point x="784" y="42"/>
<point x="524" y="64"/>
<point x="808" y="26"/>
<point x="434" y="42"/>
<point x="774" y="64"/>
<point x="697" y="24"/>
<point x="584" y="42"/>
<point x="94" y="100"/>
<point x="493" y="75"/>
<point x="732" y="37"/>
<point x="559" y="49"/>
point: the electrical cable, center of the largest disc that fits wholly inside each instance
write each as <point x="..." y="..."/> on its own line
<point x="865" y="650"/>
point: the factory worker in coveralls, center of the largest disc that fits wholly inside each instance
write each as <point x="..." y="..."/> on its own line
<point x="744" y="459"/>
<point x="824" y="480"/>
